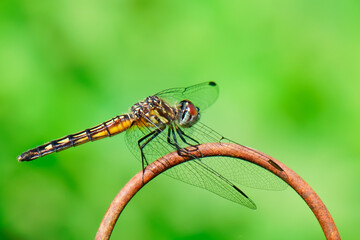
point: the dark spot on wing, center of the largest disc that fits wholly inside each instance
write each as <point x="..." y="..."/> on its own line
<point x="237" y="189"/>
<point x="212" y="83"/>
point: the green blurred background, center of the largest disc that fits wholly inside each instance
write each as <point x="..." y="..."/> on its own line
<point x="288" y="73"/>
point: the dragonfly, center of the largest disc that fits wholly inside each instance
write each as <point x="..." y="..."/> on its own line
<point x="170" y="121"/>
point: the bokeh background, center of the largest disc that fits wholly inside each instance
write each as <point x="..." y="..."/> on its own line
<point x="288" y="73"/>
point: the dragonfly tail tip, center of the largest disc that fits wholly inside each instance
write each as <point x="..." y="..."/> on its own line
<point x="19" y="158"/>
<point x="22" y="158"/>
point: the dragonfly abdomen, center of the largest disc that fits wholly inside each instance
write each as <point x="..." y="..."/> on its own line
<point x="109" y="128"/>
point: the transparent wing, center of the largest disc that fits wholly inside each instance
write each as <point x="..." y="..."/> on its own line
<point x="239" y="171"/>
<point x="193" y="172"/>
<point x="201" y="95"/>
<point x="213" y="173"/>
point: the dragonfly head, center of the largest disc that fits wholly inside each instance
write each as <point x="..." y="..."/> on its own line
<point x="188" y="114"/>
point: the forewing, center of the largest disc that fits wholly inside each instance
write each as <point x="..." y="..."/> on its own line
<point x="201" y="95"/>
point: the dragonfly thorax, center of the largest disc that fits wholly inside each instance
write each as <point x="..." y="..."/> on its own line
<point x="154" y="111"/>
<point x="187" y="114"/>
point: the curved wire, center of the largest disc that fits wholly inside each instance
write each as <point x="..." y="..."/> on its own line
<point x="218" y="149"/>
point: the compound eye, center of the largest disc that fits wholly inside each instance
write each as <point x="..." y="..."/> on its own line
<point x="192" y="109"/>
<point x="188" y="114"/>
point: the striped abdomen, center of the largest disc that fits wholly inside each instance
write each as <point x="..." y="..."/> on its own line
<point x="107" y="129"/>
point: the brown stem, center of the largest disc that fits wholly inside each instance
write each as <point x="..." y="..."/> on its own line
<point x="218" y="149"/>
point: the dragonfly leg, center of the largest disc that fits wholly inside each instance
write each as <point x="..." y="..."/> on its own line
<point x="182" y="135"/>
<point x="172" y="143"/>
<point x="147" y="138"/>
<point x="172" y="136"/>
<point x="192" y="147"/>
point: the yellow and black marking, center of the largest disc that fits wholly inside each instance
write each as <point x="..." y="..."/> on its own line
<point x="109" y="128"/>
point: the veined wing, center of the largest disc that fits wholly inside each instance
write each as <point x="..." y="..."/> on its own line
<point x="239" y="171"/>
<point x="203" y="172"/>
<point x="201" y="95"/>
<point x="194" y="172"/>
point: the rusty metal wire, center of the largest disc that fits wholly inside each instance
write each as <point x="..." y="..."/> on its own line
<point x="218" y="149"/>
